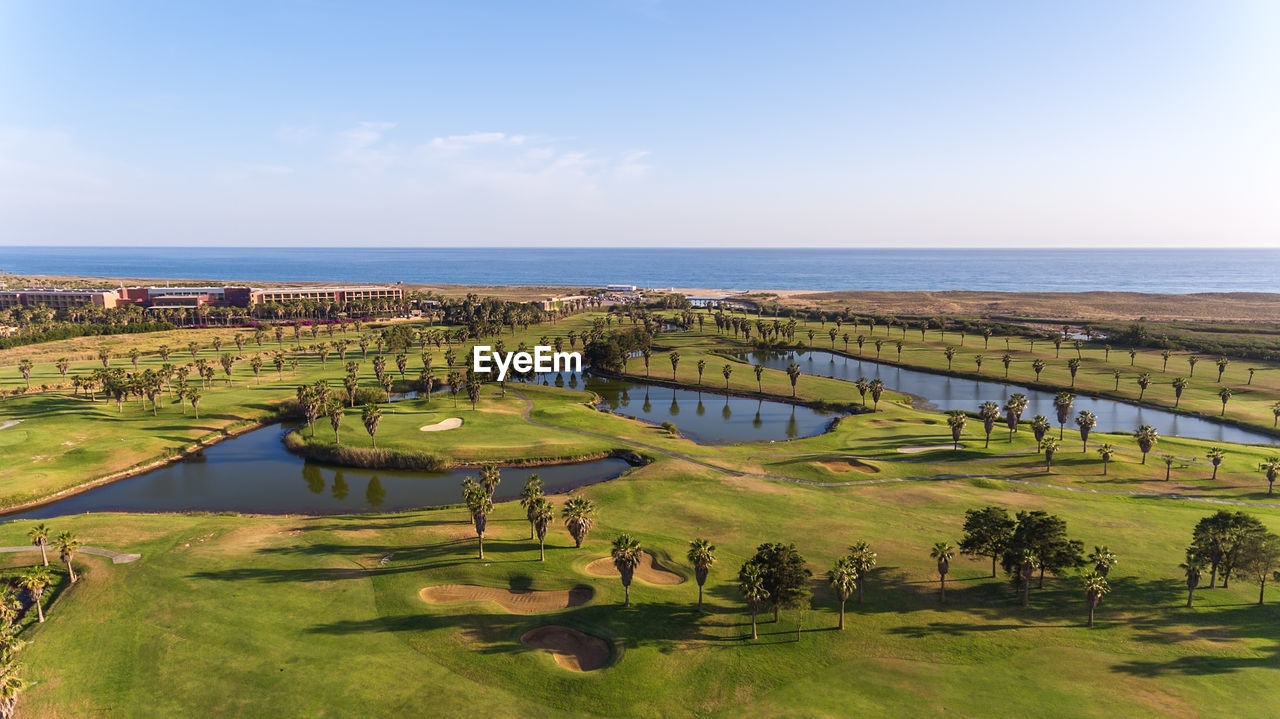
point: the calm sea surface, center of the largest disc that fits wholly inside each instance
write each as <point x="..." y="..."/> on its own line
<point x="1177" y="271"/>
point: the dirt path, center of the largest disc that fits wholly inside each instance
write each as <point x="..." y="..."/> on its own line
<point x="115" y="557"/>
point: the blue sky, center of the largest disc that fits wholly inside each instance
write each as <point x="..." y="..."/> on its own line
<point x="628" y="122"/>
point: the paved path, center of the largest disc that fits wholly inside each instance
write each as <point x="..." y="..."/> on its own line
<point x="887" y="480"/>
<point x="115" y="557"/>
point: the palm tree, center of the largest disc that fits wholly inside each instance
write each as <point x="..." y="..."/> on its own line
<point x="1223" y="362"/>
<point x="1086" y="421"/>
<point x="877" y="389"/>
<point x="950" y="352"/>
<point x="1144" y="381"/>
<point x="1039" y="426"/>
<point x="541" y="512"/>
<point x="988" y="412"/>
<point x="579" y="516"/>
<point x="1169" y="461"/>
<point x="977" y="360"/>
<point x="335" y="413"/>
<point x="39" y="535"/>
<point x="67" y="544"/>
<point x="1147" y="438"/>
<point x="1073" y="366"/>
<point x="751" y="584"/>
<point x="702" y="554"/>
<point x="1062" y="403"/>
<point x="793" y="373"/>
<point x="863" y="385"/>
<point x="1275" y="414"/>
<point x="702" y="365"/>
<point x="1006" y="360"/>
<point x="1106" y="452"/>
<point x="727" y="371"/>
<point x="1038" y="366"/>
<point x="1191" y="362"/>
<point x="1195" y="562"/>
<point x="956" y="420"/>
<point x="34" y="581"/>
<point x="1115" y="374"/>
<point x="480" y="504"/>
<point x="1164" y="357"/>
<point x="626" y="557"/>
<point x="943" y="553"/>
<point x="844" y="579"/>
<point x="864" y="560"/>
<point x="759" y="370"/>
<point x="1215" y="457"/>
<point x="1224" y="394"/>
<point x="193" y="396"/>
<point x="1179" y="384"/>
<point x="528" y="497"/>
<point x="675" y="362"/>
<point x="1271" y="467"/>
<point x="1049" y="446"/>
<point x="371" y="416"/>
<point x="1103" y="560"/>
<point x="1095" y="588"/>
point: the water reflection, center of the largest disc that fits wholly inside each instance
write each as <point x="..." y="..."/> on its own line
<point x="945" y="392"/>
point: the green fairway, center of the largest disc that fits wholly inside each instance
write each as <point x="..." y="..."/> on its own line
<point x="322" y="616"/>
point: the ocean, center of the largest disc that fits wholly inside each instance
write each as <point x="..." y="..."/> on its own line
<point x="1011" y="270"/>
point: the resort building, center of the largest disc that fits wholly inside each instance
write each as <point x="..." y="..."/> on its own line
<point x="326" y="294"/>
<point x="568" y="303"/>
<point x="58" y="298"/>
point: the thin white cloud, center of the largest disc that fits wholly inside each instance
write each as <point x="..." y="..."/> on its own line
<point x="456" y="143"/>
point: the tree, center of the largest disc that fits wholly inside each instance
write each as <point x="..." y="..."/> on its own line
<point x="942" y="552"/>
<point x="1179" y="386"/>
<point x="702" y="366"/>
<point x="490" y="478"/>
<point x="579" y="517"/>
<point x="335" y="413"/>
<point x="1103" y="560"/>
<point x="1224" y="394"/>
<point x="956" y="420"/>
<point x="1270" y="468"/>
<point x="1106" y="452"/>
<point x="1086" y="421"/>
<point x="1258" y="557"/>
<point x="950" y="353"/>
<point x="541" y="513"/>
<point x="39" y="535"/>
<point x="877" y="389"/>
<point x="1147" y="438"/>
<point x="727" y="371"/>
<point x="1042" y="537"/>
<point x="25" y="366"/>
<point x="480" y="504"/>
<point x="1095" y="588"/>
<point x="987" y="532"/>
<point x="864" y="560"/>
<point x="1275" y="414"/>
<point x="1062" y="404"/>
<point x="988" y="412"/>
<point x="626" y="557"/>
<point x="1192" y="569"/>
<point x="1049" y="446"/>
<point x="1073" y="366"/>
<point x="193" y="396"/>
<point x="1039" y="427"/>
<point x="528" y="498"/>
<point x="759" y="370"/>
<point x="1191" y="362"/>
<point x="34" y="582"/>
<point x="1215" y="457"/>
<point x="371" y="416"/>
<point x="1217" y="538"/>
<point x="1013" y="409"/>
<point x="675" y="362"/>
<point x="862" y="385"/>
<point x="67" y="544"/>
<point x="843" y="578"/>
<point x="1169" y="460"/>
<point x="702" y="555"/>
<point x="785" y="576"/>
<point x="1006" y="359"/>
<point x="1223" y="362"/>
<point x="1144" y="381"/>
<point x="793" y="373"/>
<point x="1038" y="366"/>
<point x="751" y="583"/>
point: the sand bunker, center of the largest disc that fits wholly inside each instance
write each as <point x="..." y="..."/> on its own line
<point x="847" y="465"/>
<point x="10" y="423"/>
<point x="572" y="649"/>
<point x="442" y="425"/>
<point x="929" y="448"/>
<point x="516" y="601"/>
<point x="648" y="571"/>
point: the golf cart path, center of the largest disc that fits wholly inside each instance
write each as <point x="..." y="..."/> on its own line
<point x="115" y="557"/>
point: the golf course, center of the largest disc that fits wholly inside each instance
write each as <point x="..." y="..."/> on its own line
<point x="312" y="541"/>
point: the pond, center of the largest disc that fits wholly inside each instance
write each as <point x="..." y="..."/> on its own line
<point x="253" y="472"/>
<point x="945" y="392"/>
<point x="706" y="417"/>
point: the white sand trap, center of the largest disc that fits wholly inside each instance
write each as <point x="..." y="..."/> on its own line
<point x="10" y="423"/>
<point x="929" y="448"/>
<point x="442" y="425"/>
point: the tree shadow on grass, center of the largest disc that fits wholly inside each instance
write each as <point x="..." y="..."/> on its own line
<point x="1227" y="624"/>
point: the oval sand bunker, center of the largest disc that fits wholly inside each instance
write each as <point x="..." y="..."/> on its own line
<point x="516" y="601"/>
<point x="572" y="649"/>
<point x="648" y="570"/>
<point x="442" y="425"/>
